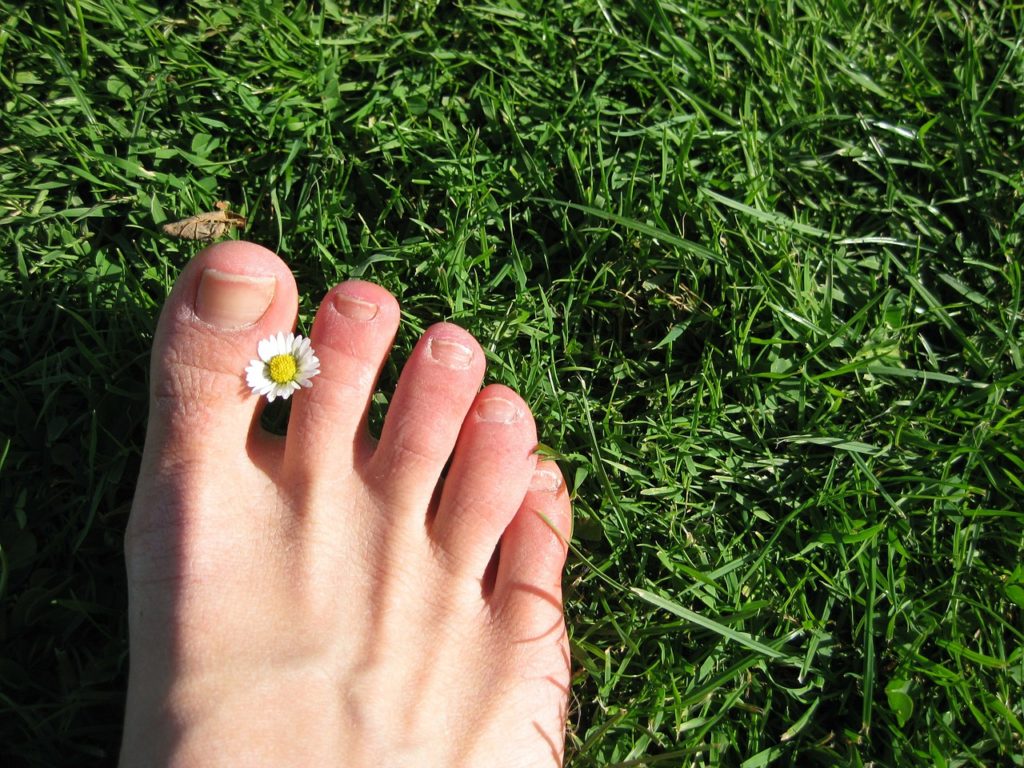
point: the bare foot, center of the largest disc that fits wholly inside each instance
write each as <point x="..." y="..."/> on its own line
<point x="325" y="599"/>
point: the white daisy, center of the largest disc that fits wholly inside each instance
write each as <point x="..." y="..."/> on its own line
<point x="286" y="362"/>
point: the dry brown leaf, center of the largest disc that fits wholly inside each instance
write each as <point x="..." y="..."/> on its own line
<point x="206" y="226"/>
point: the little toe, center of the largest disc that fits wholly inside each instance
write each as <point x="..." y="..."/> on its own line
<point x="489" y="475"/>
<point x="528" y="584"/>
<point x="434" y="393"/>
<point x="352" y="335"/>
<point x="227" y="298"/>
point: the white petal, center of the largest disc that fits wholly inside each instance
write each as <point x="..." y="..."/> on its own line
<point x="267" y="349"/>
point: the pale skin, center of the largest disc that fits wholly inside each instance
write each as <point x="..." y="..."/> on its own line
<point x="329" y="598"/>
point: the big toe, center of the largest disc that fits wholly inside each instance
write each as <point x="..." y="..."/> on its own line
<point x="230" y="296"/>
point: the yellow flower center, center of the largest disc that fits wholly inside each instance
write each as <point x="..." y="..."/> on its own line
<point x="282" y="368"/>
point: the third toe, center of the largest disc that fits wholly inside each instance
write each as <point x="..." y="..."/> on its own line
<point x="433" y="395"/>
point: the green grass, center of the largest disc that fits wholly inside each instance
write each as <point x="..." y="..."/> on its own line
<point x="759" y="271"/>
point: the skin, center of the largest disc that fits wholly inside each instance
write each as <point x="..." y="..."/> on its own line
<point x="327" y="598"/>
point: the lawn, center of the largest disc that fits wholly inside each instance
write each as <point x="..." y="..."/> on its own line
<point x="757" y="266"/>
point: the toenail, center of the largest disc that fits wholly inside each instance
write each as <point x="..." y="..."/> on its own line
<point x="355" y="309"/>
<point x="545" y="481"/>
<point x="229" y="301"/>
<point x="450" y="354"/>
<point x="498" y="410"/>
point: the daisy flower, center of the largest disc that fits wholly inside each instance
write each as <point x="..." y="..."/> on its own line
<point x="286" y="362"/>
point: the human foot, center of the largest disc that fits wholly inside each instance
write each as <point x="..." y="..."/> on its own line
<point x="324" y="599"/>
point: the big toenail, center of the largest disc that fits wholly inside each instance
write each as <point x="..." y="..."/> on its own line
<point x="498" y="410"/>
<point x="229" y="301"/>
<point x="545" y="481"/>
<point x="355" y="309"/>
<point x="451" y="354"/>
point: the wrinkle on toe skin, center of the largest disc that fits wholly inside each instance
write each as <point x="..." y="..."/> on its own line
<point x="178" y="378"/>
<point x="396" y="497"/>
